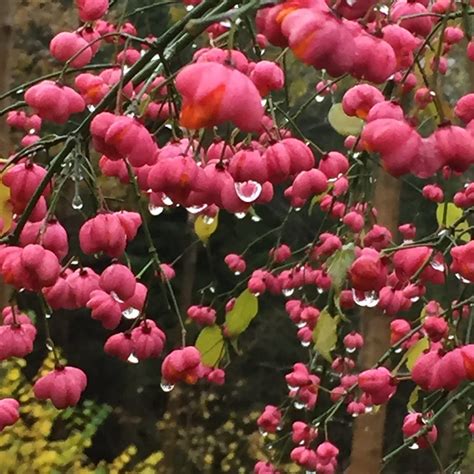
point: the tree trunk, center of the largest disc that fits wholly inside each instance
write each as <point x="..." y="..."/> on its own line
<point x="368" y="434"/>
<point x="6" y="43"/>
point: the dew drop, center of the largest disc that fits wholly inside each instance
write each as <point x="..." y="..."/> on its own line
<point x="298" y="405"/>
<point x="212" y="289"/>
<point x="196" y="209"/>
<point x="355" y="415"/>
<point x="77" y="203"/>
<point x="20" y="91"/>
<point x="91" y="108"/>
<point x="413" y="446"/>
<point x="208" y="220"/>
<point x="369" y="409"/>
<point x="414" y="299"/>
<point x="236" y="273"/>
<point x="131" y="313"/>
<point x="319" y="290"/>
<point x="166" y="386"/>
<point x="240" y="215"/>
<point x="132" y="358"/>
<point x="288" y="292"/>
<point x="154" y="210"/>
<point x="256" y="218"/>
<point x="262" y="432"/>
<point x="49" y="346"/>
<point x="305" y="343"/>
<point x="398" y="350"/>
<point x="461" y="278"/>
<point x="116" y="297"/>
<point x="48" y="315"/>
<point x="167" y="201"/>
<point x="319" y="98"/>
<point x="367" y="299"/>
<point x="350" y="350"/>
<point x="269" y="446"/>
<point x="248" y="191"/>
<point x="438" y="266"/>
<point x="291" y="388"/>
<point x="301" y="324"/>
<point x="189" y="8"/>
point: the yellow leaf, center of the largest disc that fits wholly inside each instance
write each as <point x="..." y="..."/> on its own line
<point x="325" y="334"/>
<point x="415" y="352"/>
<point x="413" y="399"/>
<point x="205" y="226"/>
<point x="245" y="308"/>
<point x="447" y="214"/>
<point x="210" y="344"/>
<point x="342" y="123"/>
<point x="6" y="211"/>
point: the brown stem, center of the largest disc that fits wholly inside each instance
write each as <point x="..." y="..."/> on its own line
<point x="368" y="433"/>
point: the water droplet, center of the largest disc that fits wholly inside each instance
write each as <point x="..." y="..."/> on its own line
<point x="236" y="273"/>
<point x="131" y="313"/>
<point x="166" y="386"/>
<point x="48" y="315"/>
<point x="301" y="324"/>
<point x="350" y="350"/>
<point x="369" y="409"/>
<point x="413" y="446"/>
<point x="189" y="7"/>
<point x="248" y="191"/>
<point x="414" y="299"/>
<point x="167" y="201"/>
<point x="436" y="265"/>
<point x="297" y="209"/>
<point x="212" y="289"/>
<point x="298" y="405"/>
<point x="196" y="209"/>
<point x="208" y="220"/>
<point x="116" y="297"/>
<point x="355" y="415"/>
<point x="305" y="343"/>
<point x="269" y="446"/>
<point x="319" y="98"/>
<point x="75" y="262"/>
<point x="398" y="350"/>
<point x="461" y="278"/>
<point x="262" y="432"/>
<point x="291" y="388"/>
<point x="367" y="299"/>
<point x="287" y="291"/>
<point x="77" y="203"/>
<point x="91" y="108"/>
<point x="20" y="91"/>
<point x="264" y="102"/>
<point x="132" y="358"/>
<point x="256" y="218"/>
<point x="382" y="9"/>
<point x="49" y="346"/>
<point x="442" y="232"/>
<point x="319" y="290"/>
<point x="31" y="131"/>
<point x="154" y="210"/>
<point x="240" y="215"/>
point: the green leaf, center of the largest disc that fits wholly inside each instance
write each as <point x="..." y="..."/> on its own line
<point x="245" y="309"/>
<point x="413" y="399"/>
<point x="339" y="263"/>
<point x="447" y="214"/>
<point x="325" y="334"/>
<point x="210" y="344"/>
<point x="342" y="123"/>
<point x="205" y="227"/>
<point x="415" y="352"/>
